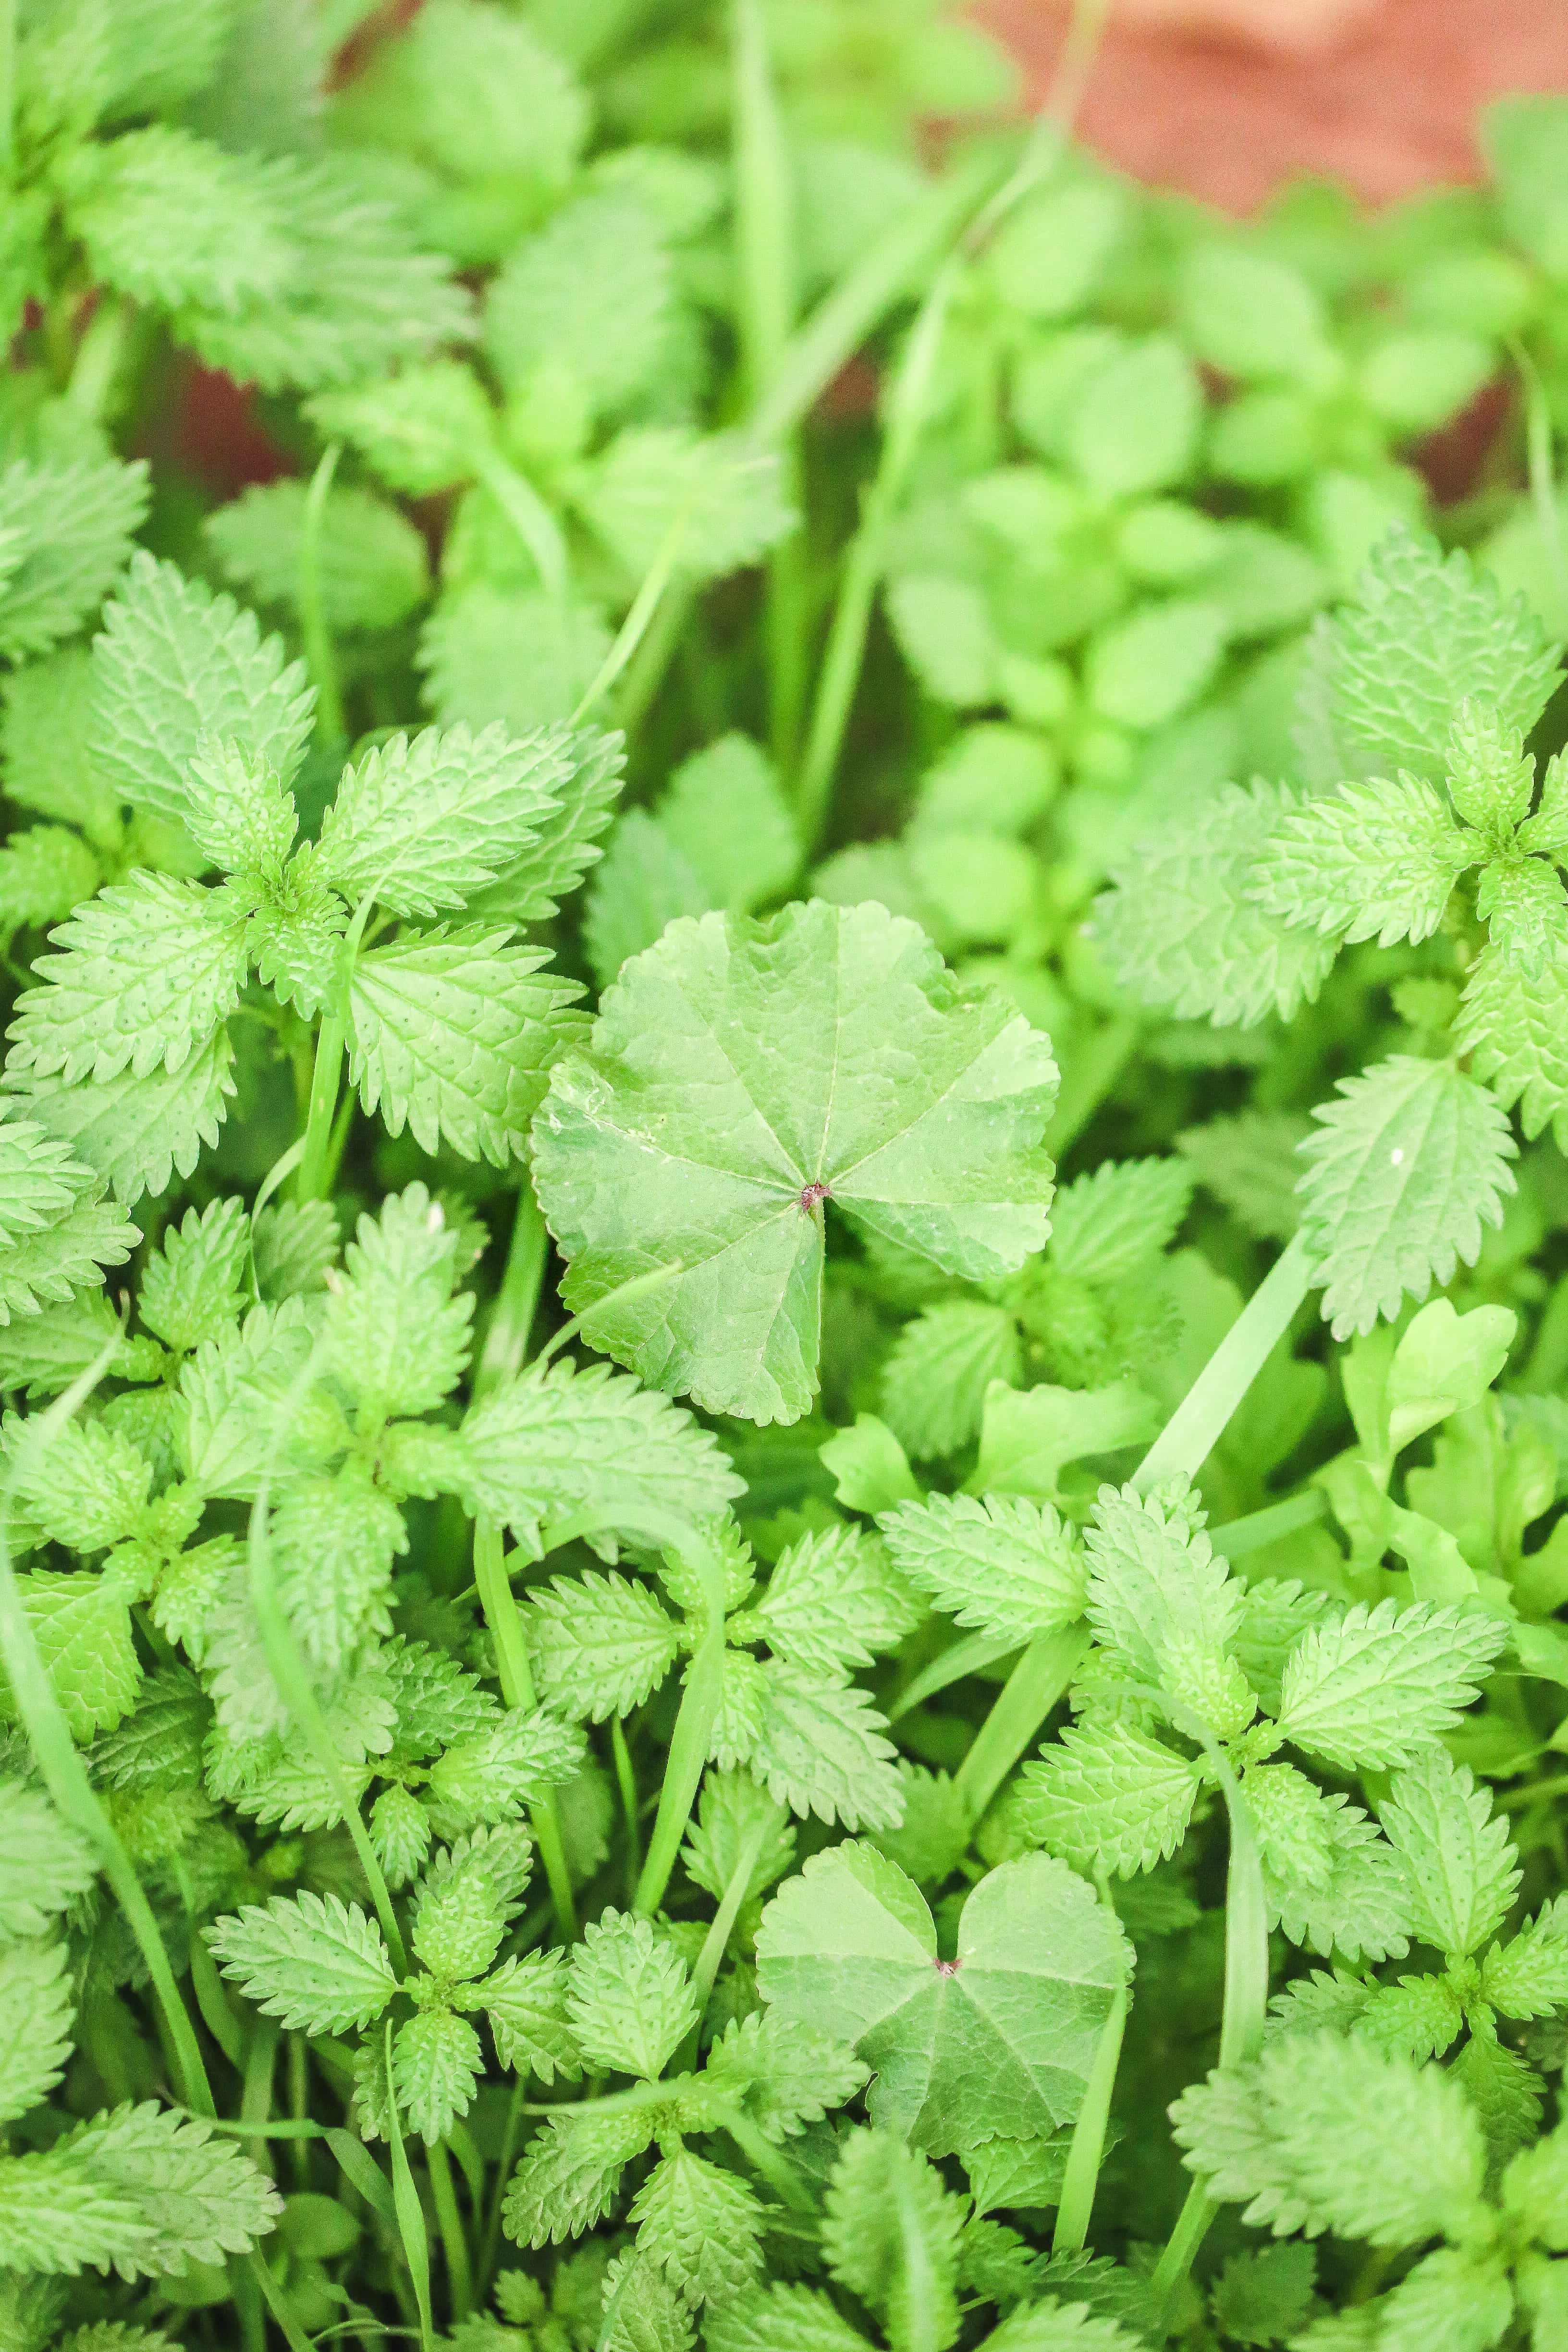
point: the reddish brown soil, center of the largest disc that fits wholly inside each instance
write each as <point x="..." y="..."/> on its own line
<point x="1388" y="106"/>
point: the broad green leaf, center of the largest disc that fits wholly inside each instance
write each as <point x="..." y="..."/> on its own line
<point x="138" y="1133"/>
<point x="1029" y="1436"/>
<point x="823" y="1056"/>
<point x="591" y="294"/>
<point x="1404" y="1172"/>
<point x="39" y="1180"/>
<point x="817" y="1746"/>
<point x="1000" y="2039"/>
<point x="436" y="2063"/>
<point x="1110" y="1222"/>
<point x="941" y="1371"/>
<point x="198" y="2196"/>
<point x="124" y="199"/>
<point x="525" y="2002"/>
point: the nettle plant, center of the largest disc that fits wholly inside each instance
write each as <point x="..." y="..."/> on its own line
<point x="742" y="1841"/>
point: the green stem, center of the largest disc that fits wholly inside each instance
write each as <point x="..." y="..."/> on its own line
<point x="529" y="517"/>
<point x="1245" y="1999"/>
<point x="694" y="1734"/>
<point x="1194" y="1430"/>
<point x="499" y="1605"/>
<point x="766" y="298"/>
<point x="716" y="1943"/>
<point x="1260" y="1528"/>
<point x="98" y="358"/>
<point x="410" y="2212"/>
<point x="1087" y="2153"/>
<point x="449" y="2222"/>
<point x="505" y="1351"/>
<point x="641" y="615"/>
<point x="627" y="1782"/>
<point x="645" y="672"/>
<point x="65" y="1776"/>
<point x="8" y="88"/>
<point x="1542" y="485"/>
<point x="313" y="1177"/>
<point x="884" y="275"/>
<point x="1026" y="1699"/>
<point x="320" y="656"/>
<point x="908" y="405"/>
<point x="1539" y="1792"/>
<point x="968" y="1656"/>
<point x="288" y="1671"/>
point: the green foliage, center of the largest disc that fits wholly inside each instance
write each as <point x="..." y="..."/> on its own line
<point x="798" y="1833"/>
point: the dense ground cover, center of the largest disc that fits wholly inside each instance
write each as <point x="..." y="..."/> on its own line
<point x="781" y="1222"/>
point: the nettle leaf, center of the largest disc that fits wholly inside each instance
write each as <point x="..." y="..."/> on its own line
<point x="1002" y="1562"/>
<point x="83" y="1627"/>
<point x="628" y="1998"/>
<point x="1112" y="1222"/>
<point x="941" y="1368"/>
<point x="136" y="1132"/>
<point x="1372" y="861"/>
<point x="556" y="1444"/>
<point x="311" y="1960"/>
<point x="175" y="664"/>
<point x="74" y="524"/>
<point x="36" y="2011"/>
<point x="146" y="971"/>
<point x="600" y="1645"/>
<point x="43" y="1863"/>
<point x="741" y="1074"/>
<point x="1379" y="1686"/>
<point x="1426" y="633"/>
<point x="998" y="2040"/>
<point x="1325" y="2133"/>
<point x="834" y="1600"/>
<point x="1403" y="1173"/>
<point x="39" y="1180"/>
<point x="1513" y="1025"/>
<point x="1461" y="1870"/>
<point x="46" y="1268"/>
<point x="454" y="1033"/>
<point x="1106" y="1797"/>
<point x="1180" y="929"/>
<point x="422" y="821"/>
<point x="817" y="1747"/>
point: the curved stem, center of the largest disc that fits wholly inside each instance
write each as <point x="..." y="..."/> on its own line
<point x="516" y="1674"/>
<point x="65" y="1776"/>
<point x="1087" y="2153"/>
<point x="294" y="1684"/>
<point x="694" y="1734"/>
<point x="1194" y="1430"/>
<point x="449" y="2222"/>
<point x="1245" y="1999"/>
<point x="529" y="517"/>
<point x="1027" y="1697"/>
<point x="505" y="1351"/>
<point x="319" y="657"/>
<point x="409" y="2211"/>
<point x="314" y="1176"/>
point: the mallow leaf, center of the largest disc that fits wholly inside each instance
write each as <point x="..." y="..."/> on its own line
<point x="1000" y="2039"/>
<point x="740" y="1076"/>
